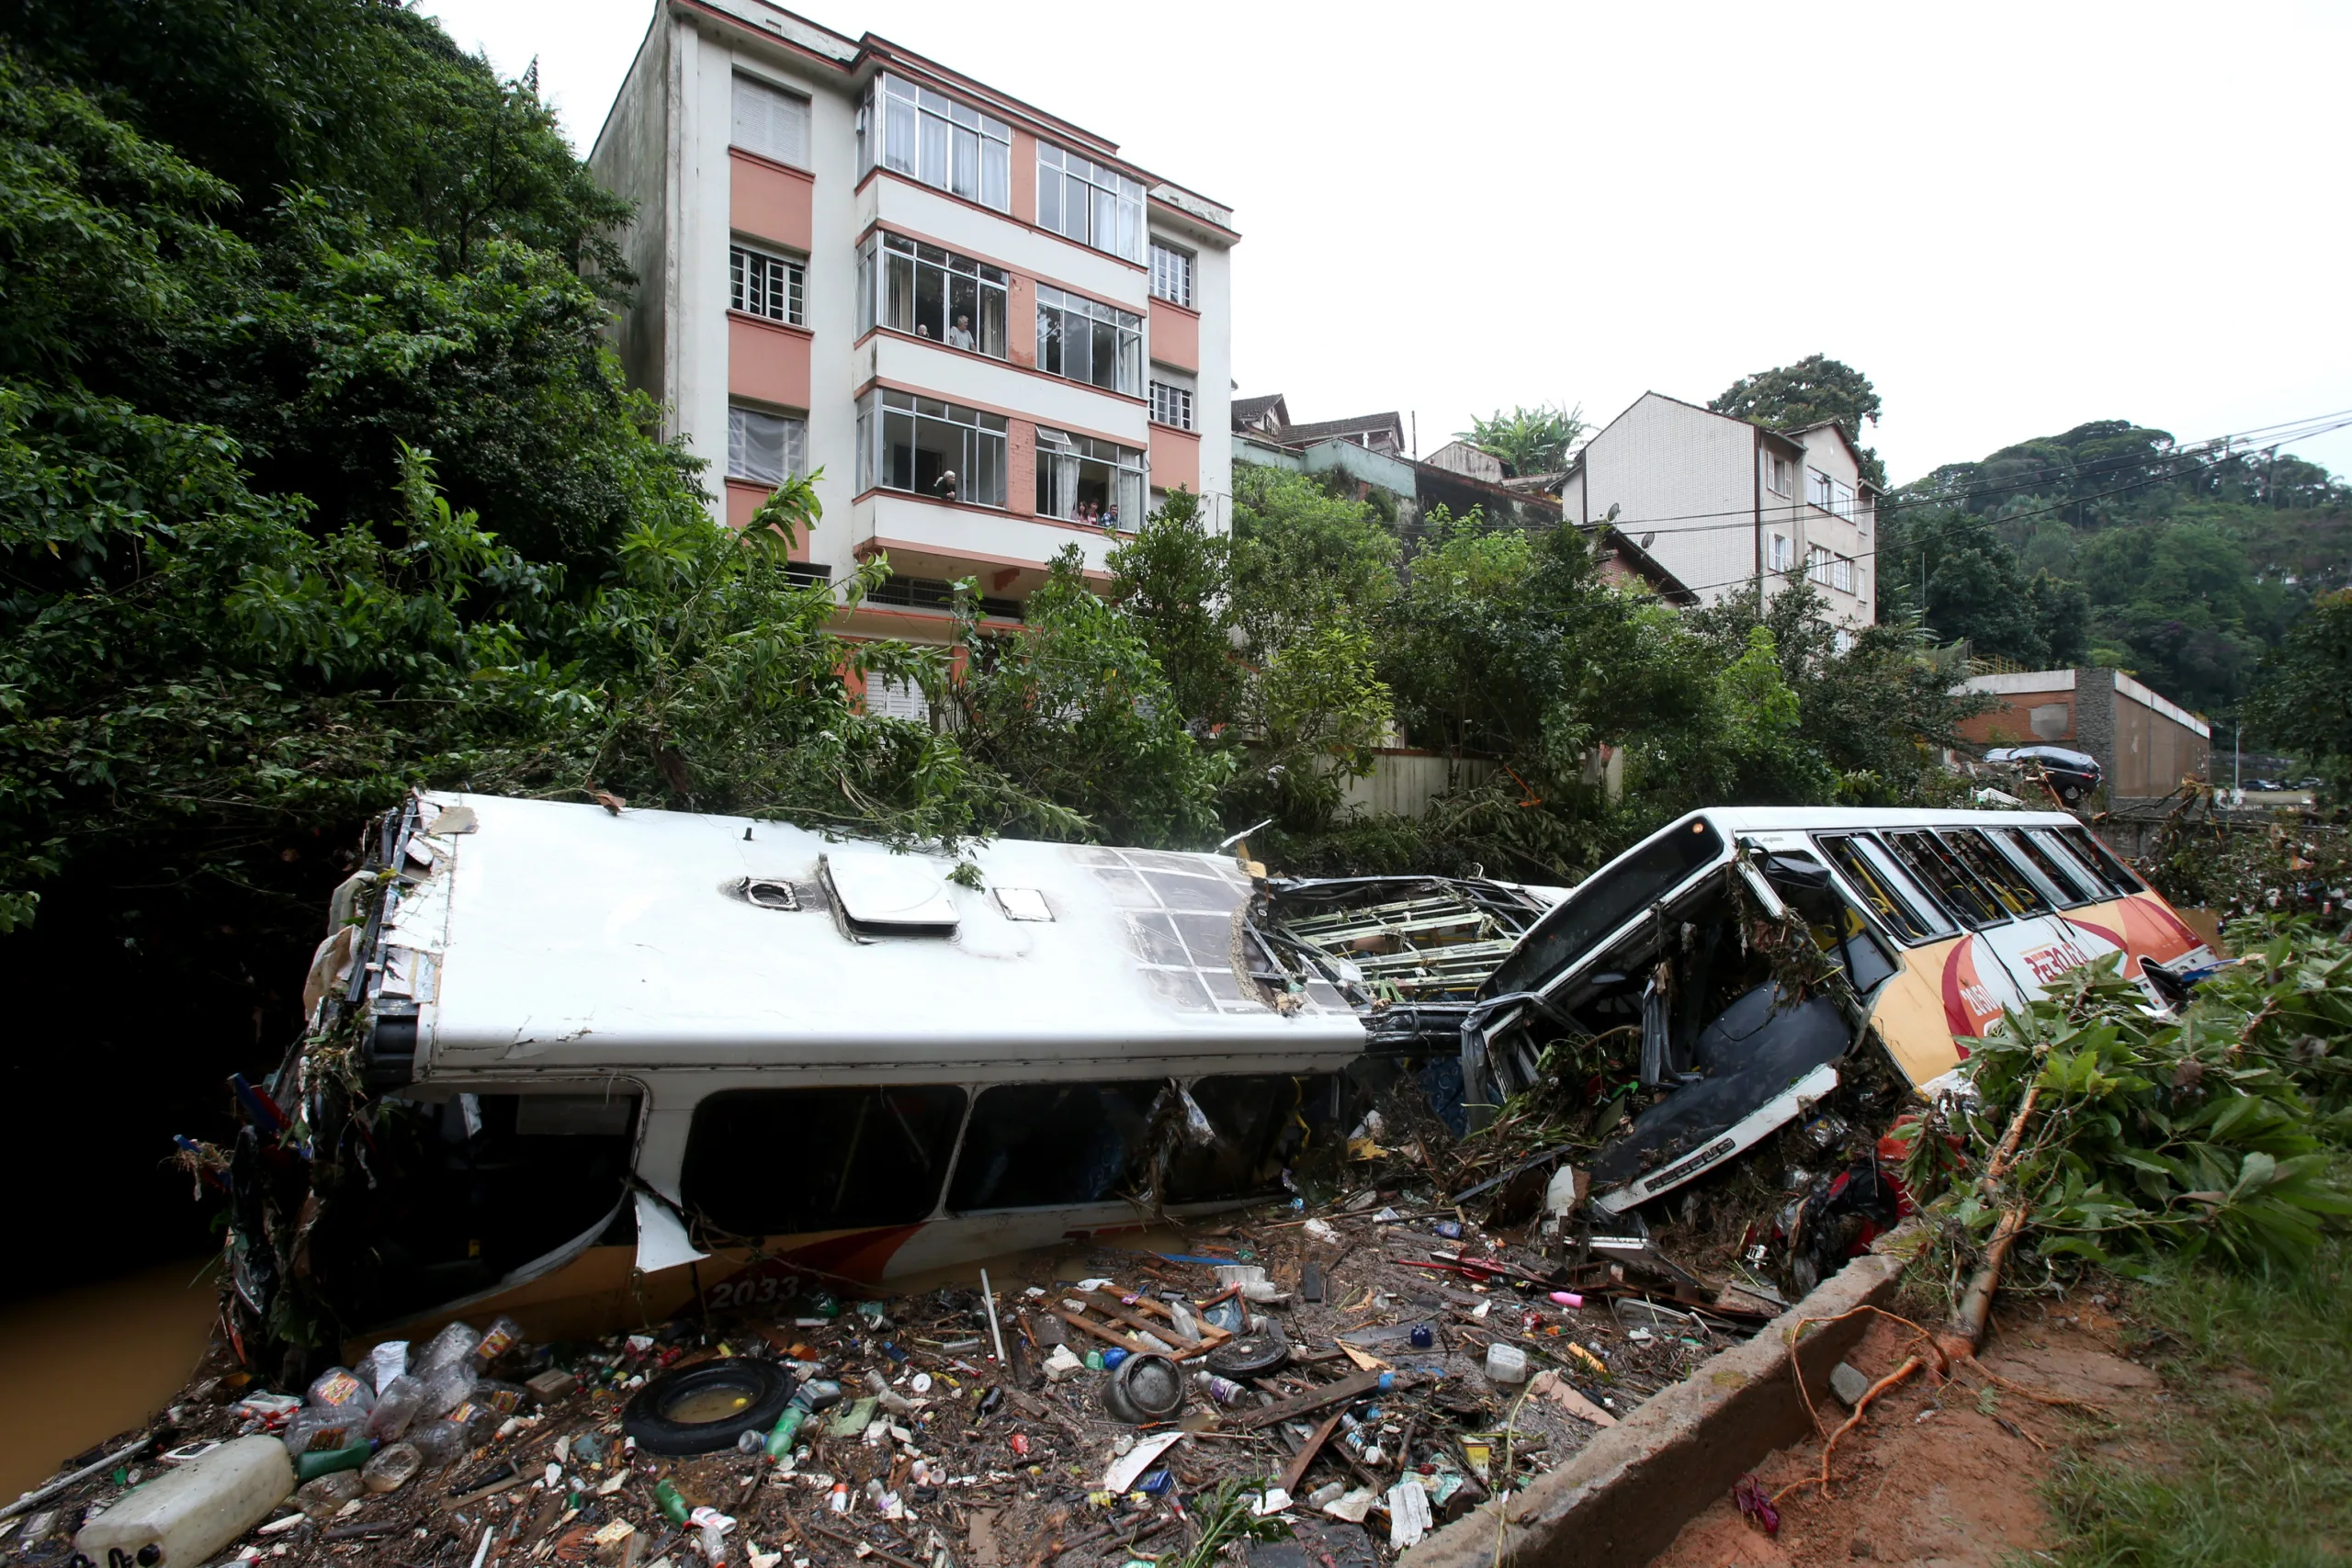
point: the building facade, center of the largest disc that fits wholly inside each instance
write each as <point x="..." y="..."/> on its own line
<point x="1722" y="502"/>
<point x="2145" y="743"/>
<point x="987" y="335"/>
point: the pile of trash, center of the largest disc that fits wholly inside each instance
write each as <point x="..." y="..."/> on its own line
<point x="1344" y="1382"/>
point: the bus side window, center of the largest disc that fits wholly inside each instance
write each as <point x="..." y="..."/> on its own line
<point x="2069" y="865"/>
<point x="1054" y="1145"/>
<point x="2113" y="872"/>
<point x="872" y="1155"/>
<point x="2047" y="873"/>
<point x="1922" y="855"/>
<point x="2017" y="895"/>
<point x="1259" y="1121"/>
<point x="1901" y="908"/>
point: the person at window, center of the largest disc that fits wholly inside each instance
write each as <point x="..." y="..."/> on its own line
<point x="943" y="486"/>
<point x="960" y="334"/>
<point x="1110" y="518"/>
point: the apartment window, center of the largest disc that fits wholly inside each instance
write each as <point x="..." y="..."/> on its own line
<point x="1778" y="554"/>
<point x="1090" y="202"/>
<point x="1841" y="498"/>
<point x="1777" y="474"/>
<point x="1172" y="404"/>
<point x="1086" y="481"/>
<point x="935" y="594"/>
<point x="925" y="446"/>
<point x="1817" y="565"/>
<point x="1171" y="274"/>
<point x="762" y="285"/>
<point x="1841" y="574"/>
<point x="930" y="137"/>
<point x="1818" y="489"/>
<point x="1098" y="343"/>
<point x="770" y="122"/>
<point x="887" y="698"/>
<point x="932" y="293"/>
<point x="766" y="448"/>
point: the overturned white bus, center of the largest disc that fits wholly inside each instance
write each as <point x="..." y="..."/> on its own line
<point x="581" y="1065"/>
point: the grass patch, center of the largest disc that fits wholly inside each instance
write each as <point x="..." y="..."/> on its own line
<point x="2259" y="1370"/>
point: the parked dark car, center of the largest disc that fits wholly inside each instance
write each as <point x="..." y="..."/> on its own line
<point x="2073" y="774"/>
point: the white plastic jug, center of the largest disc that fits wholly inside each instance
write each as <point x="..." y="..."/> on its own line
<point x="194" y="1510"/>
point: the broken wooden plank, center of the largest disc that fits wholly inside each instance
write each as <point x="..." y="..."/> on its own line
<point x="1111" y="1337"/>
<point x="1321" y="1398"/>
<point x="1295" y="1471"/>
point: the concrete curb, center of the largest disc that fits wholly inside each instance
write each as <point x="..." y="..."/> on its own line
<point x="1624" y="1495"/>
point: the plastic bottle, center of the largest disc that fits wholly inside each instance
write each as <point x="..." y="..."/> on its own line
<point x="673" y="1506"/>
<point x="392" y="1468"/>
<point x="1364" y="1447"/>
<point x="817" y="1393"/>
<point x="384" y="1364"/>
<point x="502" y="1336"/>
<point x="190" y="1512"/>
<point x="324" y="1497"/>
<point x="438" y="1442"/>
<point x="1506" y="1363"/>
<point x="1224" y="1391"/>
<point x="446" y="1388"/>
<point x="503" y="1397"/>
<point x="326" y="1461"/>
<point x="316" y="1429"/>
<point x="399" y="1404"/>
<point x="340" y="1388"/>
<point x="454" y="1343"/>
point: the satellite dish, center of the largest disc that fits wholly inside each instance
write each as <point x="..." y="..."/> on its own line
<point x="1645" y="540"/>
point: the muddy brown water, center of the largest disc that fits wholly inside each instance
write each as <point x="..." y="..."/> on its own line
<point x="79" y="1366"/>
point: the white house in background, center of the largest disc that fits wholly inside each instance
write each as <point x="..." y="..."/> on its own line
<point x="1721" y="501"/>
<point x="990" y="335"/>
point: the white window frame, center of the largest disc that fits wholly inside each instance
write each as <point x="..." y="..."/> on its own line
<point x="979" y="463"/>
<point x="1841" y="573"/>
<point x="1172" y="273"/>
<point x="1071" y="315"/>
<point x="1090" y="202"/>
<point x="1172" y="404"/>
<point x="1817" y="491"/>
<point x="1816" y="564"/>
<point x="1841" y="500"/>
<point x="1061" y="455"/>
<point x="937" y="140"/>
<point x="889" y="698"/>
<point x="886" y="261"/>
<point x="753" y="434"/>
<point x="1778" y="555"/>
<point x="762" y="283"/>
<point x="762" y="109"/>
<point x="1776" y="473"/>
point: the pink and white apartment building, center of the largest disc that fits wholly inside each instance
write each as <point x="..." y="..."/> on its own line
<point x="987" y="335"/>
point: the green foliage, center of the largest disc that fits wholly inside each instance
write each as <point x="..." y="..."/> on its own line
<point x="1301" y="555"/>
<point x="2182" y="564"/>
<point x="1529" y="440"/>
<point x="1171" y="580"/>
<point x="1080" y="727"/>
<point x="2304" y="700"/>
<point x="2215" y="1130"/>
<point x="1814" y="389"/>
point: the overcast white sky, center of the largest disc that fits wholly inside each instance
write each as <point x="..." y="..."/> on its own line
<point x="2012" y="218"/>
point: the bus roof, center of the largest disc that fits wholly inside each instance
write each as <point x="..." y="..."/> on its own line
<point x="556" y="938"/>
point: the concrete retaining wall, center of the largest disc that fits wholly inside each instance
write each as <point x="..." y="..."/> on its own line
<point x="1623" y="1498"/>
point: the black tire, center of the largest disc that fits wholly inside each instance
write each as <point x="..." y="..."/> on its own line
<point x="763" y="1387"/>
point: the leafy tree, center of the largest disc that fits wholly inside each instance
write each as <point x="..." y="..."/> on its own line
<point x="1301" y="555"/>
<point x="1078" y="726"/>
<point x="2304" y="699"/>
<point x="1173" y="580"/>
<point x="1529" y="440"/>
<point x="1814" y="389"/>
